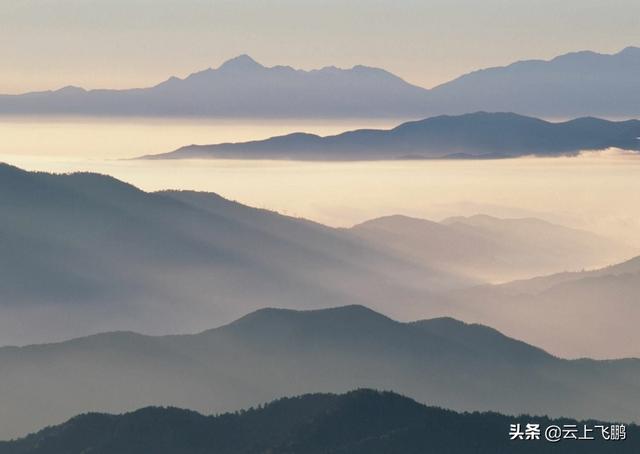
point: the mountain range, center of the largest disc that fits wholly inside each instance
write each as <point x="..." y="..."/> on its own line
<point x="587" y="313"/>
<point x="470" y="136"/>
<point x="491" y="249"/>
<point x="86" y="253"/>
<point x="240" y="87"/>
<point x="359" y="422"/>
<point x="274" y="352"/>
<point x="576" y="84"/>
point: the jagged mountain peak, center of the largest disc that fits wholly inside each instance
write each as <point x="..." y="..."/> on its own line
<point x="241" y="62"/>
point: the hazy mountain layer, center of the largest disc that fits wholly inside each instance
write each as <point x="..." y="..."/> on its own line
<point x="273" y="353"/>
<point x="477" y="135"/>
<point x="575" y="84"/>
<point x="589" y="313"/>
<point x="86" y="253"/>
<point x="362" y="421"/>
<point x="538" y="284"/>
<point x="489" y="248"/>
<point x="241" y="87"/>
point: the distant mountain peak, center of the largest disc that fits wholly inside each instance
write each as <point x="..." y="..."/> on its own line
<point x="69" y="89"/>
<point x="576" y="54"/>
<point x="630" y="50"/>
<point x="241" y="62"/>
<point x="393" y="221"/>
<point x="335" y="314"/>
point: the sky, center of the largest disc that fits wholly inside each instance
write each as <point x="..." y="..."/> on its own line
<point x="46" y="44"/>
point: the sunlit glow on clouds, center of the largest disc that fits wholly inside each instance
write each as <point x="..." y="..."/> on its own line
<point x="116" y="138"/>
<point x="594" y="191"/>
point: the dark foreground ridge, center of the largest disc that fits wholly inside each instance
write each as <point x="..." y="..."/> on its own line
<point x="274" y="352"/>
<point x="363" y="421"/>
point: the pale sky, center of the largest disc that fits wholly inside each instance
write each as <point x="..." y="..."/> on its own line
<point x="127" y="43"/>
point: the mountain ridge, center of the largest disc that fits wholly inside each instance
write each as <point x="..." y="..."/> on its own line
<point x="443" y="362"/>
<point x="86" y="253"/>
<point x="85" y="248"/>
<point x="604" y="298"/>
<point x="590" y="84"/>
<point x="487" y="247"/>
<point x="629" y="50"/>
<point x="357" y="422"/>
<point x="472" y="136"/>
<point x="83" y="253"/>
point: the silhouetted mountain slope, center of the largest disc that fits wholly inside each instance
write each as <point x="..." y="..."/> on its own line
<point x="272" y="353"/>
<point x="588" y="313"/>
<point x="476" y="135"/>
<point x="85" y="253"/>
<point x="575" y="84"/>
<point x="538" y="284"/>
<point x="241" y="87"/>
<point x="362" y="421"/>
<point x="489" y="248"/>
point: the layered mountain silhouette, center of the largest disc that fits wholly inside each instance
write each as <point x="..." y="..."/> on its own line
<point x="490" y="248"/>
<point x="575" y="84"/>
<point x="272" y="353"/>
<point x="477" y="135"/>
<point x="85" y="253"/>
<point x="588" y="313"/>
<point x="362" y="421"/>
<point x="241" y="87"/>
<point x="539" y="284"/>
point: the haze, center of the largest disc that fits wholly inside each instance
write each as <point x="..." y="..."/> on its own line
<point x="592" y="192"/>
<point x="211" y="204"/>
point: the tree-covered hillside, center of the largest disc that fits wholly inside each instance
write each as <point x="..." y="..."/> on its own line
<point x="359" y="422"/>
